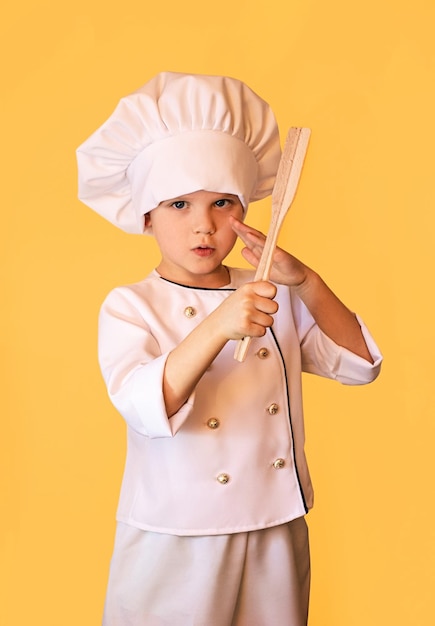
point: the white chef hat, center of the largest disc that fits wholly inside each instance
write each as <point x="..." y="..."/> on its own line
<point x="177" y="134"/>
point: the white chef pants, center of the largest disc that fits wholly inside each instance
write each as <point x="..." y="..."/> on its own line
<point x="258" y="578"/>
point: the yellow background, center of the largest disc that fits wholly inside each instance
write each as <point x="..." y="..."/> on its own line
<point x="361" y="75"/>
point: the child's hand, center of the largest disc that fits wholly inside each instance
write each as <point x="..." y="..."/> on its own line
<point x="286" y="269"/>
<point x="248" y="311"/>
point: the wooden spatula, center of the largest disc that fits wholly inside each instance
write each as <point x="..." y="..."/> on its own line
<point x="284" y="191"/>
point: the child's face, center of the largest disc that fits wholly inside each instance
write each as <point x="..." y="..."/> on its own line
<point x="194" y="235"/>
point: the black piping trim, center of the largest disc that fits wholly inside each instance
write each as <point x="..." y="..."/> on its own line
<point x="198" y="288"/>
<point x="291" y="425"/>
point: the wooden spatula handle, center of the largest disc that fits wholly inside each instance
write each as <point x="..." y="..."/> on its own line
<point x="284" y="191"/>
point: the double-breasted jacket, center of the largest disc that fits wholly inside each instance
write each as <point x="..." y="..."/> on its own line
<point x="232" y="458"/>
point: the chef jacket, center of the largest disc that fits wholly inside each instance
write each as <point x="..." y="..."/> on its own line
<point x="232" y="458"/>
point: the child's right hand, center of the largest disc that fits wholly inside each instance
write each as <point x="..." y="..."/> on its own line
<point x="248" y="311"/>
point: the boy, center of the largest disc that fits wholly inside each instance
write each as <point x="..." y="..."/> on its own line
<point x="211" y="526"/>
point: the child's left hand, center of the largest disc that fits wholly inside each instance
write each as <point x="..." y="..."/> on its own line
<point x="330" y="314"/>
<point x="286" y="269"/>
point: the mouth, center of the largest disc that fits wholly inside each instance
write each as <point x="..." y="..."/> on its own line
<point x="203" y="251"/>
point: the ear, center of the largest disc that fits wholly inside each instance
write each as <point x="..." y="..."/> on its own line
<point x="148" y="230"/>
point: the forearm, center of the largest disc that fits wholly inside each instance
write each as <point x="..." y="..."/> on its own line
<point x="331" y="315"/>
<point x="187" y="363"/>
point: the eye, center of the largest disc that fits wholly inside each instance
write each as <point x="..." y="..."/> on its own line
<point x="223" y="202"/>
<point x="179" y="204"/>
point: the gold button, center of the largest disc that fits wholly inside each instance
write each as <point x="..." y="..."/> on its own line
<point x="189" y="311"/>
<point x="263" y="353"/>
<point x="273" y="408"/>
<point x="213" y="423"/>
<point x="279" y="463"/>
<point x="223" y="479"/>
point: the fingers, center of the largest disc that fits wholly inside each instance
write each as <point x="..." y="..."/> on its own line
<point x="248" y="311"/>
<point x="258" y="308"/>
<point x="253" y="239"/>
<point x="250" y="236"/>
<point x="264" y="289"/>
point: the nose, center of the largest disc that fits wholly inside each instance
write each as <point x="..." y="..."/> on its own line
<point x="203" y="223"/>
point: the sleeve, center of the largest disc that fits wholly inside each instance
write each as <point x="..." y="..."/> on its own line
<point x="322" y="356"/>
<point x="132" y="366"/>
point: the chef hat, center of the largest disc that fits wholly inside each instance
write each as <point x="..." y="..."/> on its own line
<point x="178" y="134"/>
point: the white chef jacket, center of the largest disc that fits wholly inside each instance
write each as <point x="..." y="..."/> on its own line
<point x="232" y="458"/>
